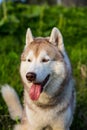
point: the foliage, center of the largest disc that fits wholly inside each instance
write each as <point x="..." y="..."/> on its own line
<point x="13" y="24"/>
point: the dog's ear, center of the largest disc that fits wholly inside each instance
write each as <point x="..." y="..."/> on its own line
<point x="29" y="36"/>
<point x="57" y="39"/>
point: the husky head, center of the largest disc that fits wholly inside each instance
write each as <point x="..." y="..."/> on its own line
<point x="44" y="64"/>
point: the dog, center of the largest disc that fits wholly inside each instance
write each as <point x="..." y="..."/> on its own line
<point x="49" y="92"/>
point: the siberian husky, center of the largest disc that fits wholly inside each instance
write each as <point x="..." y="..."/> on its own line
<point x="49" y="95"/>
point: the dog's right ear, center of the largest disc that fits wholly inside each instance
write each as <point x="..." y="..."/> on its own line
<point x="29" y="36"/>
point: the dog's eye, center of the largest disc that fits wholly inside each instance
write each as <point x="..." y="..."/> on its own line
<point x="29" y="60"/>
<point x="45" y="60"/>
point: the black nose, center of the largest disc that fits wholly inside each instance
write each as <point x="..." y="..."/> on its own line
<point x="31" y="76"/>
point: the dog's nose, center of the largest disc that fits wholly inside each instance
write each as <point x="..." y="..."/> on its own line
<point x="31" y="76"/>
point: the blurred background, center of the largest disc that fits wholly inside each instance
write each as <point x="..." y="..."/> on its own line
<point x="70" y="16"/>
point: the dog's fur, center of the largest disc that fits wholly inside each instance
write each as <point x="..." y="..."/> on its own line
<point x="54" y="108"/>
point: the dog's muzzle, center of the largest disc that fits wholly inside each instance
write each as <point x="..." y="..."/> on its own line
<point x="36" y="87"/>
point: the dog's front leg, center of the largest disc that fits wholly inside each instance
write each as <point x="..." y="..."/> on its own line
<point x="21" y="127"/>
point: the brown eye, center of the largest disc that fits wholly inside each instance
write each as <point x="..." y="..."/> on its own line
<point x="29" y="60"/>
<point x="45" y="60"/>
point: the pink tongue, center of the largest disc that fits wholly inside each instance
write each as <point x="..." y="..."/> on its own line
<point x="35" y="91"/>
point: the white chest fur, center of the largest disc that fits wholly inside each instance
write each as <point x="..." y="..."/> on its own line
<point x="39" y="118"/>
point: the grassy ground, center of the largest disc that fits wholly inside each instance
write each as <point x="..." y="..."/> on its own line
<point x="73" y="24"/>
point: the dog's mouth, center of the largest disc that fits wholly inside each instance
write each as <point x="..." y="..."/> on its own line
<point x="37" y="88"/>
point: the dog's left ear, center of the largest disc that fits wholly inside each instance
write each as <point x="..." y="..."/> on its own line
<point x="29" y="36"/>
<point x="57" y="39"/>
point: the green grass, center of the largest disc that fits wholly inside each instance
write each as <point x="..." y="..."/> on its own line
<point x="41" y="19"/>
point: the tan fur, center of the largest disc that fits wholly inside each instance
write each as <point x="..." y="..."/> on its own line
<point x="42" y="44"/>
<point x="55" y="107"/>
